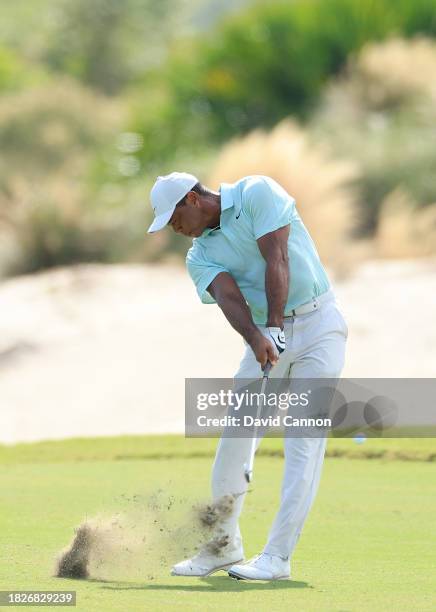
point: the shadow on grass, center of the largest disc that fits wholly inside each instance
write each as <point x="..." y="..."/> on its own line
<point x="217" y="583"/>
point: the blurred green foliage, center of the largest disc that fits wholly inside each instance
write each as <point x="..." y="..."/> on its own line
<point x="262" y="65"/>
<point x="16" y="73"/>
<point x="107" y="43"/>
<point x="43" y="128"/>
<point x="47" y="144"/>
<point x="98" y="97"/>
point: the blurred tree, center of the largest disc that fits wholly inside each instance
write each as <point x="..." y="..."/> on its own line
<point x="44" y="130"/>
<point x="262" y="65"/>
<point x="47" y="143"/>
<point x="107" y="43"/>
<point x="16" y="74"/>
<point x="23" y="26"/>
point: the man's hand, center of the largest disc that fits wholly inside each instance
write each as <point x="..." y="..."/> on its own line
<point x="263" y="349"/>
<point x="277" y="336"/>
<point x="266" y="345"/>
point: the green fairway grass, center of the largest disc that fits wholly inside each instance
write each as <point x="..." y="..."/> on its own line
<point x="369" y="542"/>
<point x="176" y="446"/>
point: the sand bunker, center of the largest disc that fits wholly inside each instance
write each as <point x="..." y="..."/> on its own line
<point x="83" y="322"/>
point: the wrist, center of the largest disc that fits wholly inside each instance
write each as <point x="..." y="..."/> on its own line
<point x="275" y="323"/>
<point x="252" y="334"/>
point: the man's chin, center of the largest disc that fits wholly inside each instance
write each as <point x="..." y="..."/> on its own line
<point x="194" y="233"/>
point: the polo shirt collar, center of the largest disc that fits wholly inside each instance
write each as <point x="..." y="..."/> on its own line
<point x="226" y="203"/>
<point x="226" y="196"/>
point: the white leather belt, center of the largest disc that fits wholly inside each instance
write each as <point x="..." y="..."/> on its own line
<point x="311" y="306"/>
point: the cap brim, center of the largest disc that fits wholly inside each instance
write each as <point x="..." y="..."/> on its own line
<point x="160" y="221"/>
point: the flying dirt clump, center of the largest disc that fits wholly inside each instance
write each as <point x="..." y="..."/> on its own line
<point x="98" y="541"/>
<point x="73" y="562"/>
<point x="137" y="541"/>
<point x="211" y="515"/>
<point x="215" y="546"/>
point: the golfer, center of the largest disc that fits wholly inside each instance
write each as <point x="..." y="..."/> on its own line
<point x="253" y="256"/>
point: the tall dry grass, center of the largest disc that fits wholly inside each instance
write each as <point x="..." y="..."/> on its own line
<point x="320" y="184"/>
<point x="381" y="113"/>
<point x="381" y="81"/>
<point x="48" y="224"/>
<point x="404" y="230"/>
<point x="397" y="70"/>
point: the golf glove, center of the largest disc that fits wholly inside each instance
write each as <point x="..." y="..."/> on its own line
<point x="277" y="337"/>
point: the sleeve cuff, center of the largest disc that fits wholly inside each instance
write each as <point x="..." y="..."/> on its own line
<point x="202" y="286"/>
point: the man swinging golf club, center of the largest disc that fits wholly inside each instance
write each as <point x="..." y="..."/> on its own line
<point x="253" y="256"/>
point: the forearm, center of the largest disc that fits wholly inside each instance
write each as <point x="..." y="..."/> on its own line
<point x="229" y="298"/>
<point x="239" y="316"/>
<point x="276" y="288"/>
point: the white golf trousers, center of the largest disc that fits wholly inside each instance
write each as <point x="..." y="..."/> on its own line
<point x="315" y="348"/>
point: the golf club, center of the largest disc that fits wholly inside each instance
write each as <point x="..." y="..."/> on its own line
<point x="248" y="467"/>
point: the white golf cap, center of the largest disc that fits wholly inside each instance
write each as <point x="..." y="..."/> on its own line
<point x="166" y="193"/>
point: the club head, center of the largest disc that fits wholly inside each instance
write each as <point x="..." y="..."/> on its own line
<point x="248" y="474"/>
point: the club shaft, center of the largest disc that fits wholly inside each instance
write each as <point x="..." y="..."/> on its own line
<point x="249" y="466"/>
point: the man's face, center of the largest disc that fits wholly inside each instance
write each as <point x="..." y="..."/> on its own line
<point x="188" y="218"/>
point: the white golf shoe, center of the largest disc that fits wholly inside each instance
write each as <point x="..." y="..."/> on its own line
<point x="262" y="567"/>
<point x="204" y="564"/>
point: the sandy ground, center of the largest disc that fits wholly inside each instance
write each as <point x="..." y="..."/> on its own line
<point x="104" y="350"/>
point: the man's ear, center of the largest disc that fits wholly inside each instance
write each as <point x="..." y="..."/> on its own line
<point x="192" y="198"/>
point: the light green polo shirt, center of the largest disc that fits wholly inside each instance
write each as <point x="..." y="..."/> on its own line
<point x="251" y="208"/>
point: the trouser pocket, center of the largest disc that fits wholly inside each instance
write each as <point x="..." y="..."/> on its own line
<point x="333" y="319"/>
